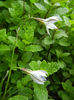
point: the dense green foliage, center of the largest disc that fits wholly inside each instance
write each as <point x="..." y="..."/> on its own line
<point x="24" y="42"/>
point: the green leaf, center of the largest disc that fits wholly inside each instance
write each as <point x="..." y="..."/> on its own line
<point x="66" y="54"/>
<point x="27" y="57"/>
<point x="12" y="39"/>
<point x="40" y="92"/>
<point x="3" y="66"/>
<point x="64" y="42"/>
<point x="61" y="64"/>
<point x="33" y="1"/>
<point x="41" y="30"/>
<point x="18" y="97"/>
<point x="59" y="34"/>
<point x="16" y="9"/>
<point x="26" y="80"/>
<point x="67" y="85"/>
<point x="71" y="71"/>
<point x="47" y="41"/>
<point x="60" y="54"/>
<point x="3" y="34"/>
<point x="41" y="7"/>
<point x="20" y="44"/>
<point x="61" y="11"/>
<point x="46" y="1"/>
<point x="4" y="48"/>
<point x="2" y="4"/>
<point x="60" y="1"/>
<point x="27" y="7"/>
<point x="27" y="92"/>
<point x="19" y="85"/>
<point x="33" y="48"/>
<point x="66" y="20"/>
<point x="28" y="33"/>
<point x="63" y="95"/>
<point x="34" y="65"/>
<point x="71" y="22"/>
<point x="53" y="67"/>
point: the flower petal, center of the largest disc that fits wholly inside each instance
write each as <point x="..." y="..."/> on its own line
<point x="51" y="26"/>
<point x="53" y="18"/>
<point x="44" y="71"/>
<point x="43" y="78"/>
<point x="38" y="72"/>
<point x="36" y="80"/>
<point x="47" y="29"/>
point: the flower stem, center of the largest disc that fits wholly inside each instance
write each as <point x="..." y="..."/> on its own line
<point x="6" y="87"/>
<point x="8" y="75"/>
<point x="1" y="84"/>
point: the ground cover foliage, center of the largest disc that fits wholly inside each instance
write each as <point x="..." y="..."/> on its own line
<point x="24" y="42"/>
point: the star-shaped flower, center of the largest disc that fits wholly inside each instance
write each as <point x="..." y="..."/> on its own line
<point x="49" y="22"/>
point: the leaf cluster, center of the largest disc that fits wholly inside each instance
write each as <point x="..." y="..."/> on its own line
<point x="24" y="42"/>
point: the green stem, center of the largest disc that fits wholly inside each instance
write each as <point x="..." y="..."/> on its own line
<point x="1" y="85"/>
<point x="8" y="75"/>
<point x="10" y="68"/>
<point x="2" y="81"/>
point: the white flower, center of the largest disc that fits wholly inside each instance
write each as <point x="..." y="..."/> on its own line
<point x="38" y="76"/>
<point x="49" y="22"/>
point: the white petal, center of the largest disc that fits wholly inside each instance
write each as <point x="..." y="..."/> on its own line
<point x="53" y="18"/>
<point x="47" y="29"/>
<point x="51" y="26"/>
<point x="43" y="78"/>
<point x="39" y="77"/>
<point x="38" y="72"/>
<point x="44" y="71"/>
<point x="37" y="81"/>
